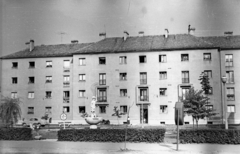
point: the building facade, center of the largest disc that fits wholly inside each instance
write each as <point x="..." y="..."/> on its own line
<point x="142" y="75"/>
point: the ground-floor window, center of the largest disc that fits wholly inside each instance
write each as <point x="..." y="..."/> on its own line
<point x="163" y="108"/>
<point x="82" y="109"/>
<point x="30" y="110"/>
<point x="102" y="109"/>
<point x="66" y="109"/>
<point x="123" y="108"/>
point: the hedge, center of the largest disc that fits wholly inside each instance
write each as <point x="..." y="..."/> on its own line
<point x="15" y="134"/>
<point x="112" y="135"/>
<point x="210" y="136"/>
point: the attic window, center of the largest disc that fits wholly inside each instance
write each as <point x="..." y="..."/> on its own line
<point x="142" y="59"/>
<point x="102" y="60"/>
<point x="15" y="65"/>
<point x="184" y="57"/>
<point x="31" y="64"/>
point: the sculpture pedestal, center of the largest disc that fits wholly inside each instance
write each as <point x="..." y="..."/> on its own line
<point x="93" y="127"/>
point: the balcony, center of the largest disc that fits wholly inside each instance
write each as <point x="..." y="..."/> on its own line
<point x="102" y="82"/>
<point x="65" y="99"/>
<point x="230" y="80"/>
<point x="143" y="98"/>
<point x="102" y="99"/>
<point x="143" y="81"/>
<point x="66" y="83"/>
<point x="185" y="80"/>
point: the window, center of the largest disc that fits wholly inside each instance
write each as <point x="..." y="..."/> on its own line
<point x="102" y="60"/>
<point x="32" y="64"/>
<point x="82" y="61"/>
<point x="122" y="60"/>
<point x="31" y="80"/>
<point x="185" y="76"/>
<point x="123" y="76"/>
<point x="82" y="109"/>
<point x="185" y="90"/>
<point x="162" y="58"/>
<point x="48" y="94"/>
<point x="163" y="108"/>
<point x="66" y="96"/>
<point x="66" y="64"/>
<point x="230" y="76"/>
<point x="14" y="80"/>
<point x="102" y="79"/>
<point x="209" y="107"/>
<point x="143" y="94"/>
<point x="143" y="78"/>
<point x="48" y="110"/>
<point x="48" y="64"/>
<point x="208" y="73"/>
<point x="102" y="95"/>
<point x="82" y="93"/>
<point x="142" y="59"/>
<point x="123" y="109"/>
<point x="231" y="108"/>
<point x="207" y="56"/>
<point x="30" y="110"/>
<point x="82" y="77"/>
<point x="184" y="57"/>
<point x="31" y="94"/>
<point x="48" y="79"/>
<point x="66" y="80"/>
<point x="210" y="91"/>
<point x="102" y="109"/>
<point x="14" y="95"/>
<point x="163" y="75"/>
<point x="123" y="92"/>
<point x="230" y="94"/>
<point x="163" y="91"/>
<point x="66" y="109"/>
<point x="14" y="65"/>
<point x="229" y="60"/>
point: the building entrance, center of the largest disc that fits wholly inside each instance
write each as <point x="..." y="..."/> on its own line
<point x="144" y="114"/>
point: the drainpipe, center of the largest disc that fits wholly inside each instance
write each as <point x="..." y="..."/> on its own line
<point x="220" y="76"/>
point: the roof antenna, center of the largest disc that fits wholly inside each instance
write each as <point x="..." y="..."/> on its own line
<point x="61" y="33"/>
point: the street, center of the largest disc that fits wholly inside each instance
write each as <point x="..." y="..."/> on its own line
<point x="53" y="146"/>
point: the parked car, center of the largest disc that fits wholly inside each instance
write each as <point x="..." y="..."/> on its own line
<point x="36" y="121"/>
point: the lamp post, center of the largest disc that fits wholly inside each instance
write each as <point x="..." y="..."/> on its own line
<point x="224" y="105"/>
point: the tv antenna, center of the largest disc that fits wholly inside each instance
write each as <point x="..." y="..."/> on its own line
<point x="61" y="35"/>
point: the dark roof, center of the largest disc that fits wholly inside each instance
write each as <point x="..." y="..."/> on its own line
<point x="60" y="50"/>
<point x="131" y="44"/>
<point x="224" y="42"/>
<point x="146" y="43"/>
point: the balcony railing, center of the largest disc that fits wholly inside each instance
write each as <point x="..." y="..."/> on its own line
<point x="48" y="81"/>
<point x="102" y="99"/>
<point x="102" y="82"/>
<point x="143" y="98"/>
<point x="230" y="97"/>
<point x="143" y="81"/>
<point x="66" y="83"/>
<point x="185" y="80"/>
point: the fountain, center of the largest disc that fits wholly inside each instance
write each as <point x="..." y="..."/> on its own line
<point x="93" y="119"/>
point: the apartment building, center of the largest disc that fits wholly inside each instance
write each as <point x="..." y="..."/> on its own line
<point x="142" y="75"/>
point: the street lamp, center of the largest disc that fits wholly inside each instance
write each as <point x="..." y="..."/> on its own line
<point x="224" y="80"/>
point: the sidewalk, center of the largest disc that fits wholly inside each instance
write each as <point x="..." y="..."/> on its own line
<point x="51" y="146"/>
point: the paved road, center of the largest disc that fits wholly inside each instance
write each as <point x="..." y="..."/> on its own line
<point x="53" y="147"/>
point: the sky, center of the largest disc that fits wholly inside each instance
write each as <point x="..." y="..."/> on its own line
<point x="60" y="21"/>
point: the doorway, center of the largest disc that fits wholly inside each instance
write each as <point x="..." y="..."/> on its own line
<point x="144" y="114"/>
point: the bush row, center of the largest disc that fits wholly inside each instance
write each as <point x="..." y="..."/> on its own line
<point x="210" y="136"/>
<point x="15" y="134"/>
<point x="112" y="135"/>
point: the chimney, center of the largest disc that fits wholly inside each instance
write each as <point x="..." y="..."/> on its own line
<point x="191" y="30"/>
<point x="31" y="45"/>
<point x="166" y="33"/>
<point x="229" y="33"/>
<point x="141" y="33"/>
<point x="102" y="35"/>
<point x="125" y="35"/>
<point x="74" y="41"/>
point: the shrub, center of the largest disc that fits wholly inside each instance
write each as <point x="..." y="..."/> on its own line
<point x="15" y="134"/>
<point x="112" y="135"/>
<point x="210" y="136"/>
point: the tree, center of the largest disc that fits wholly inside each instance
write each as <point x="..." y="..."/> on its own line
<point x="204" y="81"/>
<point x="10" y="110"/>
<point x="195" y="104"/>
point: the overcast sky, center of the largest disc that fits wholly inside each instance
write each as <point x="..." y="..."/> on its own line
<point x="83" y="20"/>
